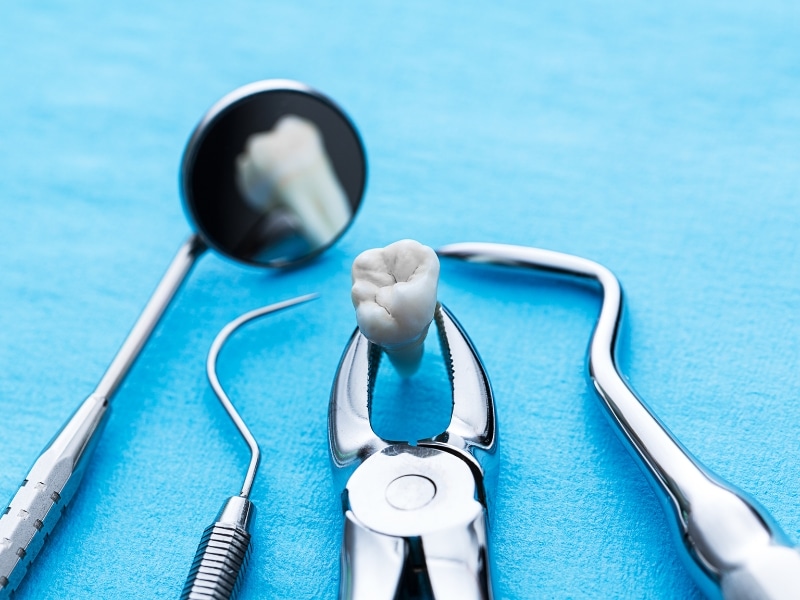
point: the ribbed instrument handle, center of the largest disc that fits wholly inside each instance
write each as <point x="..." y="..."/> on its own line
<point x="222" y="554"/>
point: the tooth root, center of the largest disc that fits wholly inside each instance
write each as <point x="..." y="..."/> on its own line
<point x="288" y="165"/>
<point x="394" y="293"/>
<point x="406" y="359"/>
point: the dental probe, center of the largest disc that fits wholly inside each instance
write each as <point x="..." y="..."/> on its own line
<point x="223" y="550"/>
<point x="731" y="545"/>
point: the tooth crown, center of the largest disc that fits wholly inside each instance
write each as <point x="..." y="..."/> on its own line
<point x="394" y="293"/>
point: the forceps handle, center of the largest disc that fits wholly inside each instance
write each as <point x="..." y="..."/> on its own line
<point x="222" y="554"/>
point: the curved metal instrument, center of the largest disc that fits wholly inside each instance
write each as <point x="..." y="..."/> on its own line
<point x="731" y="545"/>
<point x="221" y="557"/>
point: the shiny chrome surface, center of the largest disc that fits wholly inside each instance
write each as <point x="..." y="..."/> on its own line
<point x="172" y="280"/>
<point x="732" y="546"/>
<point x="222" y="553"/>
<point x="415" y="515"/>
<point x="213" y="379"/>
<point x="57" y="472"/>
<point x="215" y="205"/>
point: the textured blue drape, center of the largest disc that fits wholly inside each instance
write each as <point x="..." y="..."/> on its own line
<point x="661" y="139"/>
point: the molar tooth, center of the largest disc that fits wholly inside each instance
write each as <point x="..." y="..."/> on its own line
<point x="288" y="166"/>
<point x="394" y="294"/>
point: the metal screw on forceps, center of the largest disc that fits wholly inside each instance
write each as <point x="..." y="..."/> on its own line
<point x="732" y="546"/>
<point x="415" y="515"/>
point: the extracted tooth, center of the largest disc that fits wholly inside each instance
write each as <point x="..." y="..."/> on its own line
<point x="394" y="294"/>
<point x="288" y="166"/>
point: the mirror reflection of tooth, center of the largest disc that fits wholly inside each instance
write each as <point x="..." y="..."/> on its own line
<point x="288" y="165"/>
<point x="395" y="295"/>
<point x="256" y="189"/>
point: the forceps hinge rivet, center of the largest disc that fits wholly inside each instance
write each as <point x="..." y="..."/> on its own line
<point x="410" y="492"/>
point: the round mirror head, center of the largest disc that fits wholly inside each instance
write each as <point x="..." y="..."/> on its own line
<point x="273" y="174"/>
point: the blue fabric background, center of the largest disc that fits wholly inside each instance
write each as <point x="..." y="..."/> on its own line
<point x="661" y="139"/>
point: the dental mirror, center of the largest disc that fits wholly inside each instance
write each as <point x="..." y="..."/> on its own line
<point x="273" y="174"/>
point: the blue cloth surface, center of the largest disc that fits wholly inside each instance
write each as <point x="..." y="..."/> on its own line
<point x="661" y="139"/>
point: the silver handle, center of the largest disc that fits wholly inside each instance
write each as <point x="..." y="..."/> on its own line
<point x="45" y="493"/>
<point x="222" y="554"/>
<point x="451" y="564"/>
<point x="176" y="273"/>
<point x="56" y="474"/>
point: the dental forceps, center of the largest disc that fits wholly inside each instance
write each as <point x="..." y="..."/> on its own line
<point x="415" y="515"/>
<point x="730" y="544"/>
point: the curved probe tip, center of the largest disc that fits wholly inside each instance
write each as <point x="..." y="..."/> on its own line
<point x="211" y="372"/>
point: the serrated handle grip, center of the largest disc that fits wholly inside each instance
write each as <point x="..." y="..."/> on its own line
<point x="51" y="483"/>
<point x="41" y="499"/>
<point x="222" y="554"/>
<point x="29" y="518"/>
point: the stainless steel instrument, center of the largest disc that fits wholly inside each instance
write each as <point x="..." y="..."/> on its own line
<point x="415" y="514"/>
<point x="225" y="222"/>
<point x="730" y="544"/>
<point x="222" y="554"/>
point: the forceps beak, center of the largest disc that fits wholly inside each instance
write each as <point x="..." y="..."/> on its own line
<point x="415" y="515"/>
<point x="472" y="429"/>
